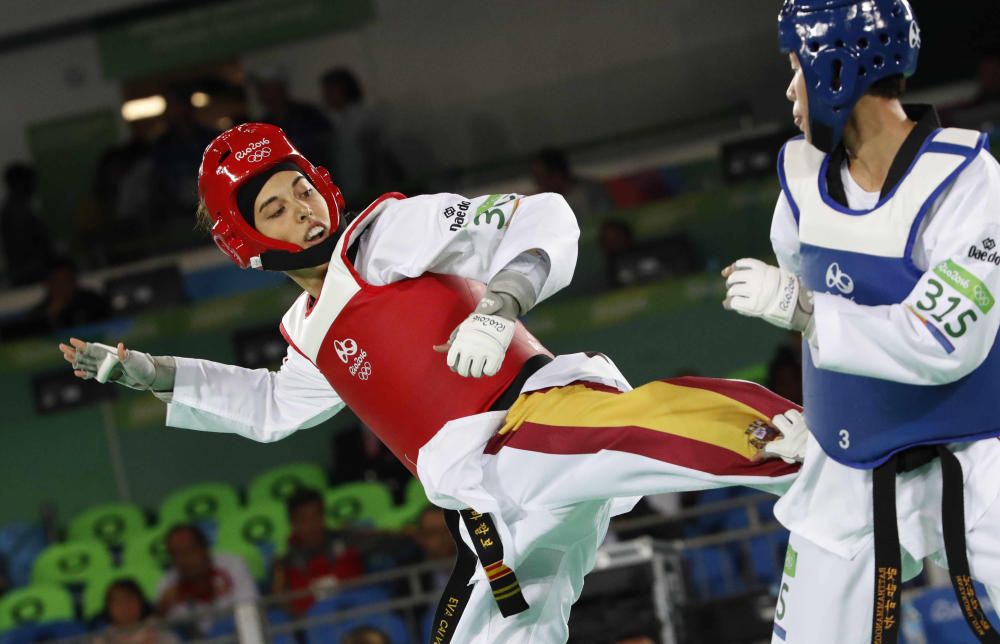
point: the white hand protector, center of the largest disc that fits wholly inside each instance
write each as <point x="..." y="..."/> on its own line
<point x="791" y="446"/>
<point x="479" y="344"/>
<point x="758" y="290"/>
<point x="138" y="371"/>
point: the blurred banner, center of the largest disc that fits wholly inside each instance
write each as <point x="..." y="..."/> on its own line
<point x="220" y="30"/>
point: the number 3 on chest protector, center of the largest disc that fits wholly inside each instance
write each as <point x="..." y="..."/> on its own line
<point x="845" y="439"/>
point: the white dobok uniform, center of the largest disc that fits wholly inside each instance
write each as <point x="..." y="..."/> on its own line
<point x="551" y="510"/>
<point x="827" y="589"/>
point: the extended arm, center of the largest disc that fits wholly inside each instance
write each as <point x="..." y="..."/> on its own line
<point x="209" y="396"/>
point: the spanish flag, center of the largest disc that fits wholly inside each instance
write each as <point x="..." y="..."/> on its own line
<point x="713" y="425"/>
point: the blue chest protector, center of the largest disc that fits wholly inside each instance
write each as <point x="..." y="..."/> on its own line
<point x="867" y="256"/>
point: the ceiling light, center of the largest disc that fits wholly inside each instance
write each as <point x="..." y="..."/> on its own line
<point x="144" y="108"/>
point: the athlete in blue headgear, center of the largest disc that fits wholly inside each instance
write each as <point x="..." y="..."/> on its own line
<point x="886" y="232"/>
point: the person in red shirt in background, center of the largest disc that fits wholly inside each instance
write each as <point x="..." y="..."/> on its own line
<point x="317" y="557"/>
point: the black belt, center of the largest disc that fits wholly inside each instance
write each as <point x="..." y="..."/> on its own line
<point x="489" y="551"/>
<point x="513" y="390"/>
<point x="486" y="540"/>
<point x="888" y="564"/>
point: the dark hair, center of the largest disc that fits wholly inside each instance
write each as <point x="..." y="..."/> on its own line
<point x="203" y="217"/>
<point x="129" y="584"/>
<point x="304" y="496"/>
<point x="553" y="159"/>
<point x="347" y="81"/>
<point x="361" y="635"/>
<point x="194" y="530"/>
<point x="19" y="175"/>
<point x="888" y="87"/>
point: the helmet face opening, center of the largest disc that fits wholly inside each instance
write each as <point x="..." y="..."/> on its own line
<point x="844" y="47"/>
<point x="235" y="156"/>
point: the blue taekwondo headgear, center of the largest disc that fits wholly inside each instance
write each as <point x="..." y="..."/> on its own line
<point x="844" y="46"/>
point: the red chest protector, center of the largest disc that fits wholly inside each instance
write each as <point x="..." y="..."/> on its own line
<point x="374" y="346"/>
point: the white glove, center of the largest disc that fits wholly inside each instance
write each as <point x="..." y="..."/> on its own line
<point x="758" y="290"/>
<point x="791" y="446"/>
<point x="137" y="371"/>
<point x="479" y="345"/>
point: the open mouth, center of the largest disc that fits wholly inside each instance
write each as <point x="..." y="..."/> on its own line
<point x="315" y="233"/>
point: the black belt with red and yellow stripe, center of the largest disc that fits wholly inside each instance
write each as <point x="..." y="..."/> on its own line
<point x="487" y="548"/>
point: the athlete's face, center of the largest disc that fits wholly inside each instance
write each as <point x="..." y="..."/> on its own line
<point x="289" y="209"/>
<point x="796" y="94"/>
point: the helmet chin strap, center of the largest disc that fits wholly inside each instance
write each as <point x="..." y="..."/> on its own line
<point x="282" y="260"/>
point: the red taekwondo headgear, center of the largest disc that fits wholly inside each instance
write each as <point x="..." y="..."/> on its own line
<point x="233" y="158"/>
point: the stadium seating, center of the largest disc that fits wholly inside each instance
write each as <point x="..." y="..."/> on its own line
<point x="261" y="525"/>
<point x="35" y="604"/>
<point x="250" y="555"/>
<point x="93" y="595"/>
<point x="20" y="544"/>
<point x="110" y="523"/>
<point x="413" y="504"/>
<point x="70" y="564"/>
<point x="30" y="633"/>
<point x="279" y="483"/>
<point x="388" y="623"/>
<point x="275" y="617"/>
<point x="363" y="503"/>
<point x="937" y="617"/>
<point x="147" y="549"/>
<point x="198" y="503"/>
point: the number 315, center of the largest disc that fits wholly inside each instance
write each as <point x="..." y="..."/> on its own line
<point x="933" y="294"/>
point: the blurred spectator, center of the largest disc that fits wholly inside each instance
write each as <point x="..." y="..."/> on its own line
<point x="435" y="542"/>
<point x="628" y="262"/>
<point x="784" y="374"/>
<point x="640" y="639"/>
<point x="200" y="584"/>
<point x="304" y="124"/>
<point x="317" y="558"/>
<point x="27" y="245"/>
<point x="550" y="170"/>
<point x="65" y="304"/>
<point x="362" y="164"/>
<point x="358" y="455"/>
<point x="129" y="618"/>
<point x="124" y="195"/>
<point x="176" y="155"/>
<point x="366" y="635"/>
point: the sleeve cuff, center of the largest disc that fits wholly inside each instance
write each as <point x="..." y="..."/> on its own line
<point x="825" y="334"/>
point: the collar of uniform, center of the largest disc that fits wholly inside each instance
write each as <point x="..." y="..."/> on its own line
<point x="927" y="121"/>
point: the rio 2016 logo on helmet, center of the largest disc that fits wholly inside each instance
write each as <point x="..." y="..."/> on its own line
<point x="231" y="159"/>
<point x="844" y="46"/>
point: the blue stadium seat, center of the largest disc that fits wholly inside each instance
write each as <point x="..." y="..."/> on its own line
<point x="390" y="624"/>
<point x="939" y="618"/>
<point x="350" y="598"/>
<point x="275" y="616"/>
<point x="713" y="571"/>
<point x="30" y="633"/>
<point x="767" y="554"/>
<point x="20" y="544"/>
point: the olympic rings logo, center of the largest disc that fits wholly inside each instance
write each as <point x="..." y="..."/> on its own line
<point x="365" y="372"/>
<point x="258" y="155"/>
<point x="983" y="297"/>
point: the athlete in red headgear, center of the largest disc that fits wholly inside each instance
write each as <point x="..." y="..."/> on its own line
<point x="546" y="449"/>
